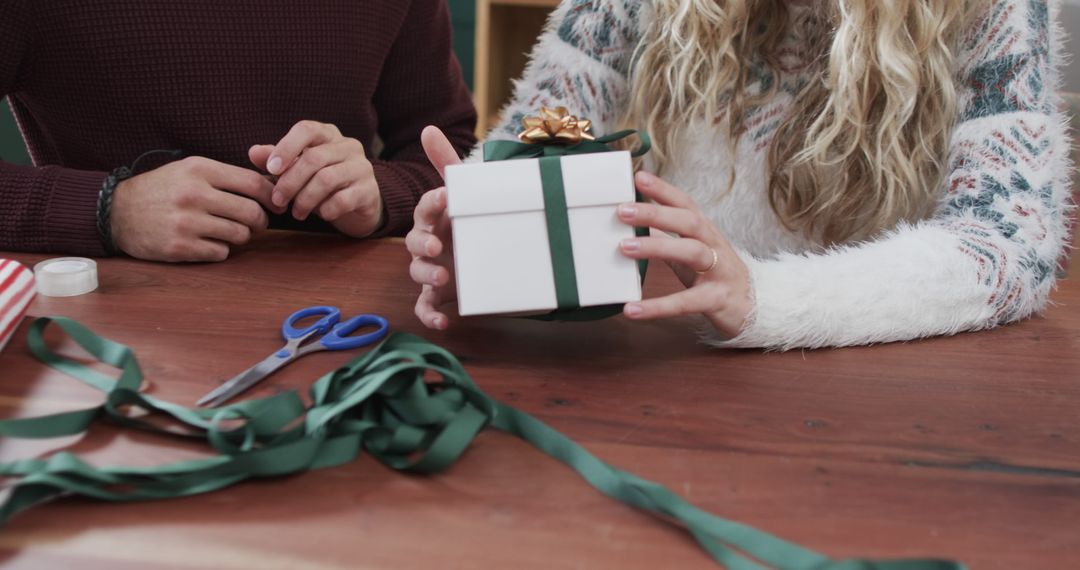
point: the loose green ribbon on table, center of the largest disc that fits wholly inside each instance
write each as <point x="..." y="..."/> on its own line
<point x="379" y="403"/>
<point x="558" y="222"/>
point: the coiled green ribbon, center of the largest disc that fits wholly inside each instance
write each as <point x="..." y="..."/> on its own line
<point x="379" y="403"/>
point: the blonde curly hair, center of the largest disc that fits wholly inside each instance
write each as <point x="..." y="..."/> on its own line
<point x="865" y="142"/>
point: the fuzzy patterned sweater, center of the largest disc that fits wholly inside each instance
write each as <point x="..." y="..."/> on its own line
<point x="986" y="257"/>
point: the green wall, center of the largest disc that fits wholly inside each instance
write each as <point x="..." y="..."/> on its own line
<point x="463" y="13"/>
<point x="12" y="148"/>
<point x="464" y="19"/>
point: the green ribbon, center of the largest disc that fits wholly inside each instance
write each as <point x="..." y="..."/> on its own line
<point x="379" y="403"/>
<point x="558" y="230"/>
<point x="558" y="223"/>
<point x="510" y="150"/>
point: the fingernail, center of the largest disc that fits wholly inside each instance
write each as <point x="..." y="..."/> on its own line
<point x="434" y="275"/>
<point x="277" y="198"/>
<point x="274" y="165"/>
<point x="632" y="309"/>
<point x="645" y="179"/>
<point x="429" y="247"/>
<point x="438" y="322"/>
<point x="628" y="210"/>
<point x="631" y="245"/>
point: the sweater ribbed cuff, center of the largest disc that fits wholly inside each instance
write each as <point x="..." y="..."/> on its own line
<point x="399" y="194"/>
<point x="71" y="220"/>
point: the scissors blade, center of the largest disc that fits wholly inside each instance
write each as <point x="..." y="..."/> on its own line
<point x="241" y="382"/>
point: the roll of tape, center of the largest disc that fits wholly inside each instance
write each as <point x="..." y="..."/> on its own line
<point x="66" y="276"/>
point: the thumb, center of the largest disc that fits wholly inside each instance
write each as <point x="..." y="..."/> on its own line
<point x="259" y="154"/>
<point x="438" y="149"/>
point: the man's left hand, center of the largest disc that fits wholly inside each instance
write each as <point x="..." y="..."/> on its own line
<point x="320" y="170"/>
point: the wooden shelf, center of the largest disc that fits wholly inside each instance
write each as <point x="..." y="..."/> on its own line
<point x="506" y="31"/>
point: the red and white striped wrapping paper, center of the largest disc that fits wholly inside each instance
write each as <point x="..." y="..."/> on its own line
<point x="16" y="293"/>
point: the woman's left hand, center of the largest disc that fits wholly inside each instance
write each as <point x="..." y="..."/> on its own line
<point x="321" y="171"/>
<point x="717" y="280"/>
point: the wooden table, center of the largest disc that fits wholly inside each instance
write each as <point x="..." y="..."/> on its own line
<point x="964" y="447"/>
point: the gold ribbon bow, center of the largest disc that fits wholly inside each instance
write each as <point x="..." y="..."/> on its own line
<point x="555" y="126"/>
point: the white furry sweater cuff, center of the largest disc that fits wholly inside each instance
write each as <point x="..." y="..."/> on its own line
<point x="915" y="283"/>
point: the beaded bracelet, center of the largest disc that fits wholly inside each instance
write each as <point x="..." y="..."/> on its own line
<point x="104" y="207"/>
<point x="105" y="197"/>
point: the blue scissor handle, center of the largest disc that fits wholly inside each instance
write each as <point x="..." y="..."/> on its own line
<point x="330" y="317"/>
<point x="338" y="338"/>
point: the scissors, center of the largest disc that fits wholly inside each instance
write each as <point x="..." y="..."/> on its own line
<point x="332" y="335"/>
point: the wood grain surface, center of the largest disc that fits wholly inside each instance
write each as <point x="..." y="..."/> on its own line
<point x="965" y="447"/>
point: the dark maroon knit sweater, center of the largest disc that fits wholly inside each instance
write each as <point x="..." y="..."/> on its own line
<point x="95" y="83"/>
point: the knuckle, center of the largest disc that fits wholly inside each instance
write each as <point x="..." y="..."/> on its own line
<point x="366" y="202"/>
<point x="326" y="177"/>
<point x="175" y="249"/>
<point x="308" y="160"/>
<point x="436" y="199"/>
<point x="427" y="202"/>
<point x="698" y="223"/>
<point x="307" y="126"/>
<point x="328" y="210"/>
<point x="195" y="164"/>
<point x="286" y="186"/>
<point x="306" y="201"/>
<point x="185" y="196"/>
<point x="720" y="294"/>
<point x="253" y="180"/>
<point x="412" y="245"/>
<point x="313" y="157"/>
<point x="367" y="170"/>
<point x="181" y="224"/>
<point x="253" y="214"/>
<point x="423" y="301"/>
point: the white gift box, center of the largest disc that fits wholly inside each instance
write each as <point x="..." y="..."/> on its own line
<point x="502" y="254"/>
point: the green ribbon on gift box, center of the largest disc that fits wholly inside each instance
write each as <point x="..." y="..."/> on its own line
<point x="383" y="402"/>
<point x="558" y="222"/>
<point x="509" y="150"/>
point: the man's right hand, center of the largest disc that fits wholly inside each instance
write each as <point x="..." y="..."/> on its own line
<point x="194" y="209"/>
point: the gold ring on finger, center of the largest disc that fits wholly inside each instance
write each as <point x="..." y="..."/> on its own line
<point x="715" y="261"/>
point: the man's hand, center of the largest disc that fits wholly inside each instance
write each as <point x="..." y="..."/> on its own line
<point x="190" y="210"/>
<point x="320" y="170"/>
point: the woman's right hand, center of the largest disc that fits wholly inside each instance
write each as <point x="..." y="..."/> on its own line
<point x="430" y="242"/>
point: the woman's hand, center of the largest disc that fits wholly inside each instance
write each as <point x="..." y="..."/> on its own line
<point x="430" y="241"/>
<point x="717" y="280"/>
<point x="320" y="170"/>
